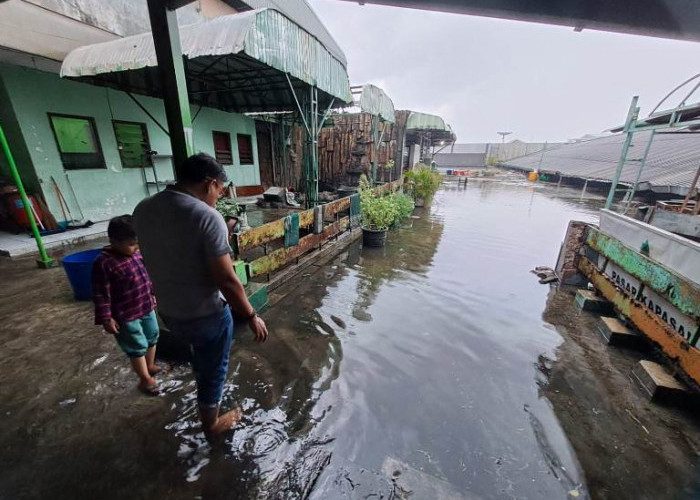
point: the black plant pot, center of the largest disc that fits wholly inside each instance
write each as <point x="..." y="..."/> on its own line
<point x="373" y="238"/>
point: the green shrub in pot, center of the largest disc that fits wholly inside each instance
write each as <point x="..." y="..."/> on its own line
<point x="423" y="182"/>
<point x="379" y="213"/>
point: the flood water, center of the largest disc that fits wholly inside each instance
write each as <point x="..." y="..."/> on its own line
<point x="404" y="372"/>
<point x="409" y="371"/>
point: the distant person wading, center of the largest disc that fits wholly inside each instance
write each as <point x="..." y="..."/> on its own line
<point x="184" y="242"/>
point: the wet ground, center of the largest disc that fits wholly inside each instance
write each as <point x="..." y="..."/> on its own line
<point x="436" y="368"/>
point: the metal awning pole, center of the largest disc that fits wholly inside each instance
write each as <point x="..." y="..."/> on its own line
<point x="313" y="164"/>
<point x="643" y="162"/>
<point x="326" y="113"/>
<point x="311" y="127"/>
<point x="166" y="39"/>
<point x="272" y="152"/>
<point x="691" y="192"/>
<point x="629" y="127"/>
<point x="45" y="261"/>
<point x="296" y="100"/>
<point x="322" y="120"/>
<point x="148" y="113"/>
<point x="379" y="143"/>
<point x="375" y="150"/>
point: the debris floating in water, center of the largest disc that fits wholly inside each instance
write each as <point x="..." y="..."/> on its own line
<point x="67" y="402"/>
<point x="546" y="274"/>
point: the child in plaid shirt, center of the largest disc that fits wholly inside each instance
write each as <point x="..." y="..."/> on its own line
<point x="124" y="302"/>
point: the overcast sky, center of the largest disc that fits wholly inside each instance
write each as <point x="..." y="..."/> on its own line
<point x="543" y="83"/>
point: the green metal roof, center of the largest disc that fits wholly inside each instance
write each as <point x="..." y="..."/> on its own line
<point x="374" y="101"/>
<point x="427" y="126"/>
<point x="251" y="51"/>
<point x="303" y="14"/>
<point x="425" y="121"/>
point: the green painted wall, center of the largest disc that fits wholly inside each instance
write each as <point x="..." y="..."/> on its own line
<point x="10" y="126"/>
<point x="213" y="119"/>
<point x="103" y="193"/>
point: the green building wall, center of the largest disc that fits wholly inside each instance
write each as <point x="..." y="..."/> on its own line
<point x="99" y="194"/>
<point x="10" y="126"/>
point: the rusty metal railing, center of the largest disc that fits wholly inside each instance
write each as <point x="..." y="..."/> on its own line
<point x="272" y="232"/>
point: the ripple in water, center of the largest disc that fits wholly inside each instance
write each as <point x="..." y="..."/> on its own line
<point x="270" y="451"/>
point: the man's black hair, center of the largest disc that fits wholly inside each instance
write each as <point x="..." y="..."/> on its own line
<point x="198" y="167"/>
<point x="121" y="228"/>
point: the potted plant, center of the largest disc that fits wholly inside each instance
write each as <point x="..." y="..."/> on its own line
<point x="233" y="213"/>
<point x="404" y="207"/>
<point x="377" y="213"/>
<point x="423" y="182"/>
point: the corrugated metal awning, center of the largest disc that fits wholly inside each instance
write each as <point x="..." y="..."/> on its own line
<point x="433" y="125"/>
<point x="671" y="164"/>
<point x="236" y="63"/>
<point x="374" y="101"/>
<point x="425" y="121"/>
<point x="303" y="14"/>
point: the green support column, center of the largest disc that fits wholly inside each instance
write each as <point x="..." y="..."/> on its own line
<point x="44" y="261"/>
<point x="629" y="128"/>
<point x="313" y="130"/>
<point x="375" y="148"/>
<point x="166" y="39"/>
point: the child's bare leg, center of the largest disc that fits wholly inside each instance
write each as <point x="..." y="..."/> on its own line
<point x="153" y="368"/>
<point x="141" y="369"/>
<point x="151" y="360"/>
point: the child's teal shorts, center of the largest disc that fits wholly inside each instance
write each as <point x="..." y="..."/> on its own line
<point x="136" y="336"/>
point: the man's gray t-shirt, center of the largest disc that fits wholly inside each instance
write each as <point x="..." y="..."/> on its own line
<point x="178" y="234"/>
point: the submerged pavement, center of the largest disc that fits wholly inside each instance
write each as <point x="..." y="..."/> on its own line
<point x="435" y="368"/>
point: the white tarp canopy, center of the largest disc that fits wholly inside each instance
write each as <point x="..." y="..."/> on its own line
<point x="259" y="36"/>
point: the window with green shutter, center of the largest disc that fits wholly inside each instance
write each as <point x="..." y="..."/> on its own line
<point x="77" y="141"/>
<point x="132" y="142"/>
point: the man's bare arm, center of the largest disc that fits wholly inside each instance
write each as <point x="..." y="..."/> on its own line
<point x="221" y="269"/>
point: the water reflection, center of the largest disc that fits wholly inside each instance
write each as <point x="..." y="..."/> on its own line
<point x="424" y="370"/>
<point x="438" y="385"/>
<point x="278" y="385"/>
<point x="309" y="423"/>
<point x="408" y="250"/>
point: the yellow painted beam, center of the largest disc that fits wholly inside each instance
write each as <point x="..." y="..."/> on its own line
<point x="671" y="343"/>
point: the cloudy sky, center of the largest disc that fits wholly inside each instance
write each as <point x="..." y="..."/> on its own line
<point x="543" y="83"/>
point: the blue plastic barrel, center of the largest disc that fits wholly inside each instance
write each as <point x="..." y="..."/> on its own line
<point x="78" y="267"/>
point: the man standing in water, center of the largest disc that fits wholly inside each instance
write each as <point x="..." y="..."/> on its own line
<point x="184" y="243"/>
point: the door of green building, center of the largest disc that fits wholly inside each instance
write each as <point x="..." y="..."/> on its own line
<point x="132" y="142"/>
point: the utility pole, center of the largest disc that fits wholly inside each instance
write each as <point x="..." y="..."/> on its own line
<point x="503" y="136"/>
<point x="503" y="141"/>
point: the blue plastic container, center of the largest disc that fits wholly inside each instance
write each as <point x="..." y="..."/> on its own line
<point x="78" y="267"/>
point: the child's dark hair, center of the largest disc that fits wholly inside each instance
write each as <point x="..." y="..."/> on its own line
<point x="121" y="228"/>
